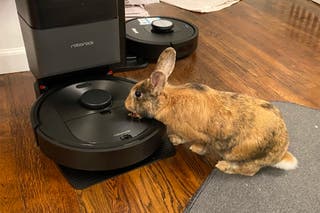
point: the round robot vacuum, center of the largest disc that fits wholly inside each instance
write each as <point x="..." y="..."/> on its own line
<point x="85" y="126"/>
<point x="148" y="37"/>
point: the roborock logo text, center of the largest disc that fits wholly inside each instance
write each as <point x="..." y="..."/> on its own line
<point x="82" y="44"/>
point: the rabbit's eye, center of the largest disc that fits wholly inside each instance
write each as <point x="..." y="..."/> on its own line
<point x="138" y="93"/>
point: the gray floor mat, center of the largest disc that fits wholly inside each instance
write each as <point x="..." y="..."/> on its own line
<point x="271" y="190"/>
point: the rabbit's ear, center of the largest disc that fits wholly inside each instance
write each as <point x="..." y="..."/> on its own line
<point x="166" y="61"/>
<point x="158" y="81"/>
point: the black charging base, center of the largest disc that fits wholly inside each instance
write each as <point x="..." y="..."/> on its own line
<point x="80" y="179"/>
<point x="131" y="63"/>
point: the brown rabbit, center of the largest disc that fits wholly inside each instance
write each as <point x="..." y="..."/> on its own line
<point x="248" y="133"/>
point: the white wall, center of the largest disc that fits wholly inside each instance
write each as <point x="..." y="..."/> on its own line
<point x="12" y="53"/>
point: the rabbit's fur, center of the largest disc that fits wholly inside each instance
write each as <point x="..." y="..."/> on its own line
<point x="248" y="133"/>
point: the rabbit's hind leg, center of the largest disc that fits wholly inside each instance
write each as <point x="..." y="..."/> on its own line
<point x="246" y="168"/>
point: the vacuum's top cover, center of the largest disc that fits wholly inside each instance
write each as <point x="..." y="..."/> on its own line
<point x="90" y="115"/>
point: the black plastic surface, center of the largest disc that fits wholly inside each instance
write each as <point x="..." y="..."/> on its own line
<point x="43" y="14"/>
<point x="83" y="138"/>
<point x="144" y="42"/>
<point x="96" y="99"/>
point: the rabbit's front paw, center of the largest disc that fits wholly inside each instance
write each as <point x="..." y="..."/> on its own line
<point x="198" y="148"/>
<point x="176" y="140"/>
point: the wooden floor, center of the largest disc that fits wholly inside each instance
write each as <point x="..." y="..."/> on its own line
<point x="265" y="48"/>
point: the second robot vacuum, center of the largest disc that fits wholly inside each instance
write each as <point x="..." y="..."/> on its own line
<point x="148" y="37"/>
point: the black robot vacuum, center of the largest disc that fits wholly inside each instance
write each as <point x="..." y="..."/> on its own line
<point x="147" y="37"/>
<point x="85" y="126"/>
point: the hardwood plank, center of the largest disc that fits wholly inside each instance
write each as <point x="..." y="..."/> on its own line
<point x="266" y="48"/>
<point x="37" y="182"/>
<point x="10" y="196"/>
